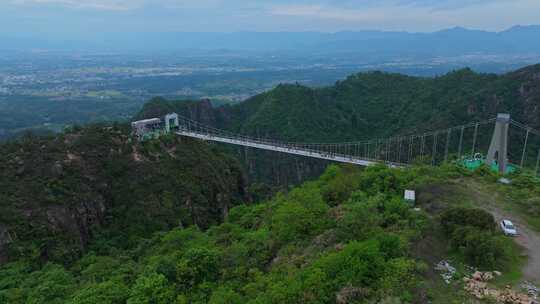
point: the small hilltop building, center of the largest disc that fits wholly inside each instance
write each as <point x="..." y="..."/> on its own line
<point x="155" y="127"/>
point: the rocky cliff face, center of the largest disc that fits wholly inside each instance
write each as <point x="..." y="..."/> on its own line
<point x="198" y="110"/>
<point x="529" y="93"/>
<point x="57" y="193"/>
<point x="5" y="240"/>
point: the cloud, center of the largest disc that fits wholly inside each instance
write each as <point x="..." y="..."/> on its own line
<point x="448" y="4"/>
<point x="335" y="13"/>
<point x="114" y="5"/>
<point x="122" y="5"/>
<point x="418" y="15"/>
<point x="269" y="15"/>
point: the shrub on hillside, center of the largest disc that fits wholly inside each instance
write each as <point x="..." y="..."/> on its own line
<point x="381" y="179"/>
<point x="293" y="222"/>
<point x="300" y="214"/>
<point x="460" y="217"/>
<point x="114" y="291"/>
<point x="360" y="219"/>
<point x="480" y="248"/>
<point x="337" y="184"/>
<point x="472" y="234"/>
<point x="151" y="288"/>
<point x="198" y="265"/>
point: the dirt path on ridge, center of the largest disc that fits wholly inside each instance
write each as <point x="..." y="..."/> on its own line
<point x="527" y="238"/>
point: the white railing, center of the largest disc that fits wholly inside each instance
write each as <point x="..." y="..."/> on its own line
<point x="279" y="147"/>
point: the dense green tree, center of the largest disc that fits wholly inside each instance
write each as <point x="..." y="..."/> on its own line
<point x="52" y="284"/>
<point x="456" y="218"/>
<point x="151" y="288"/>
<point x="224" y="295"/>
<point x="198" y="265"/>
<point x="107" y="292"/>
<point x="299" y="247"/>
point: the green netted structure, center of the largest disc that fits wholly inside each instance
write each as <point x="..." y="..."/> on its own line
<point x="478" y="161"/>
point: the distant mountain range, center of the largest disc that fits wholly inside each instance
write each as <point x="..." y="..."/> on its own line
<point x="449" y="42"/>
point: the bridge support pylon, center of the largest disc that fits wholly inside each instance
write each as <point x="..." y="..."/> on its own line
<point x="498" y="149"/>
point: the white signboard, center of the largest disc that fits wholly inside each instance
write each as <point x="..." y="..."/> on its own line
<point x="410" y="195"/>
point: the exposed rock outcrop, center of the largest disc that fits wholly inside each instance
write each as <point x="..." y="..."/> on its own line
<point x="477" y="286"/>
<point x="57" y="192"/>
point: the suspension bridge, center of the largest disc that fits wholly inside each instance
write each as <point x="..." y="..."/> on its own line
<point x="507" y="144"/>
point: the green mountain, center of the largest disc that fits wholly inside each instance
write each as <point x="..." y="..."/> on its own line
<point x="91" y="216"/>
<point x="347" y="237"/>
<point x="371" y="105"/>
<point x="362" y="107"/>
<point x="59" y="193"/>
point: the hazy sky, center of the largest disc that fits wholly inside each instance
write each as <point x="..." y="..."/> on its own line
<point x="84" y="16"/>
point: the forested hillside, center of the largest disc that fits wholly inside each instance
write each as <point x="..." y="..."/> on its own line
<point x="58" y="194"/>
<point x="348" y="237"/>
<point x="363" y="106"/>
<point x="91" y="216"/>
